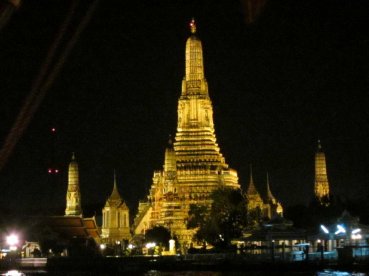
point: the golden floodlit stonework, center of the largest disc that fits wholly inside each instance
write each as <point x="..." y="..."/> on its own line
<point x="73" y="199"/>
<point x="193" y="165"/>
<point x="259" y="207"/>
<point x="321" y="178"/>
<point x="115" y="225"/>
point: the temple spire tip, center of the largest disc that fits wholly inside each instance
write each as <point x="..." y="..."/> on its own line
<point x="115" y="179"/>
<point x="193" y="26"/>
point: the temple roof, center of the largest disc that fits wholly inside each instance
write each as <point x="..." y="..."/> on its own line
<point x="115" y="194"/>
<point x="70" y="227"/>
<point x="115" y="199"/>
<point x="251" y="190"/>
<point x="269" y="194"/>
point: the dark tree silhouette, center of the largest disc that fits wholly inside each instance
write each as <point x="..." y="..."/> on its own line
<point x="226" y="219"/>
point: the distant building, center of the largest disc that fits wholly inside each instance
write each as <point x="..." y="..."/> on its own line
<point x="115" y="227"/>
<point x="259" y="207"/>
<point x="272" y="207"/>
<point x="348" y="232"/>
<point x="321" y="186"/>
<point x="73" y="206"/>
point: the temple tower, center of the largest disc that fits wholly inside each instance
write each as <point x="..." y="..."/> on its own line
<point x="193" y="164"/>
<point x="254" y="200"/>
<point x="321" y="179"/>
<point x="272" y="206"/>
<point x="115" y="227"/>
<point x="73" y="207"/>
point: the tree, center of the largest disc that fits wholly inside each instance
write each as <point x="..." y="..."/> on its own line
<point x="254" y="218"/>
<point x="226" y="219"/>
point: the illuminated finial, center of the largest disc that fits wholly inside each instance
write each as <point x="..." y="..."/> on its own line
<point x="193" y="26"/>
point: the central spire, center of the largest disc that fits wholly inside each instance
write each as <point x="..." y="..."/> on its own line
<point x="194" y="81"/>
<point x="195" y="142"/>
<point x="193" y="165"/>
<point x="193" y="26"/>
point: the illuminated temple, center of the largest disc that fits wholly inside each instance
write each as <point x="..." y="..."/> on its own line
<point x="193" y="164"/>
<point x="73" y="198"/>
<point x="259" y="207"/>
<point x="321" y="178"/>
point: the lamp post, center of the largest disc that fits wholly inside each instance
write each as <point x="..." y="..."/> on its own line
<point x="330" y="238"/>
<point x="102" y="248"/>
<point x="320" y="249"/>
<point x="12" y="241"/>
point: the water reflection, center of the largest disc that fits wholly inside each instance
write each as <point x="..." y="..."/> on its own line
<point x="14" y="273"/>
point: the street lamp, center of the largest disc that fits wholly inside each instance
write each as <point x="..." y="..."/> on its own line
<point x="325" y="229"/>
<point x="102" y="248"/>
<point x="340" y="229"/>
<point x="12" y="240"/>
<point x="150" y="247"/>
<point x="355" y="234"/>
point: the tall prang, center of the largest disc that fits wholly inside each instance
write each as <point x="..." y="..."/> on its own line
<point x="321" y="186"/>
<point x="193" y="165"/>
<point x="73" y="199"/>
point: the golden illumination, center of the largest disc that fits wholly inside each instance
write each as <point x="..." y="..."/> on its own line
<point x="73" y="193"/>
<point x="115" y="225"/>
<point x="268" y="206"/>
<point x="321" y="178"/>
<point x="193" y="165"/>
<point x="254" y="199"/>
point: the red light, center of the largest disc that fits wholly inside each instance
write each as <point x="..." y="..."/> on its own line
<point x="53" y="129"/>
<point x="56" y="170"/>
<point x="49" y="170"/>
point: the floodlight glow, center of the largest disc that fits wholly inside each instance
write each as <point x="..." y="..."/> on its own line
<point x="325" y="230"/>
<point x="12" y="240"/>
<point x="356" y="236"/>
<point x="150" y="245"/>
<point x="13" y="273"/>
<point x="340" y="229"/>
<point x="355" y="231"/>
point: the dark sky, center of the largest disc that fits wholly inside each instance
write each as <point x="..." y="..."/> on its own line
<point x="298" y="74"/>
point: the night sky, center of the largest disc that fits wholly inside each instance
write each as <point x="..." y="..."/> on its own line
<point x="299" y="73"/>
